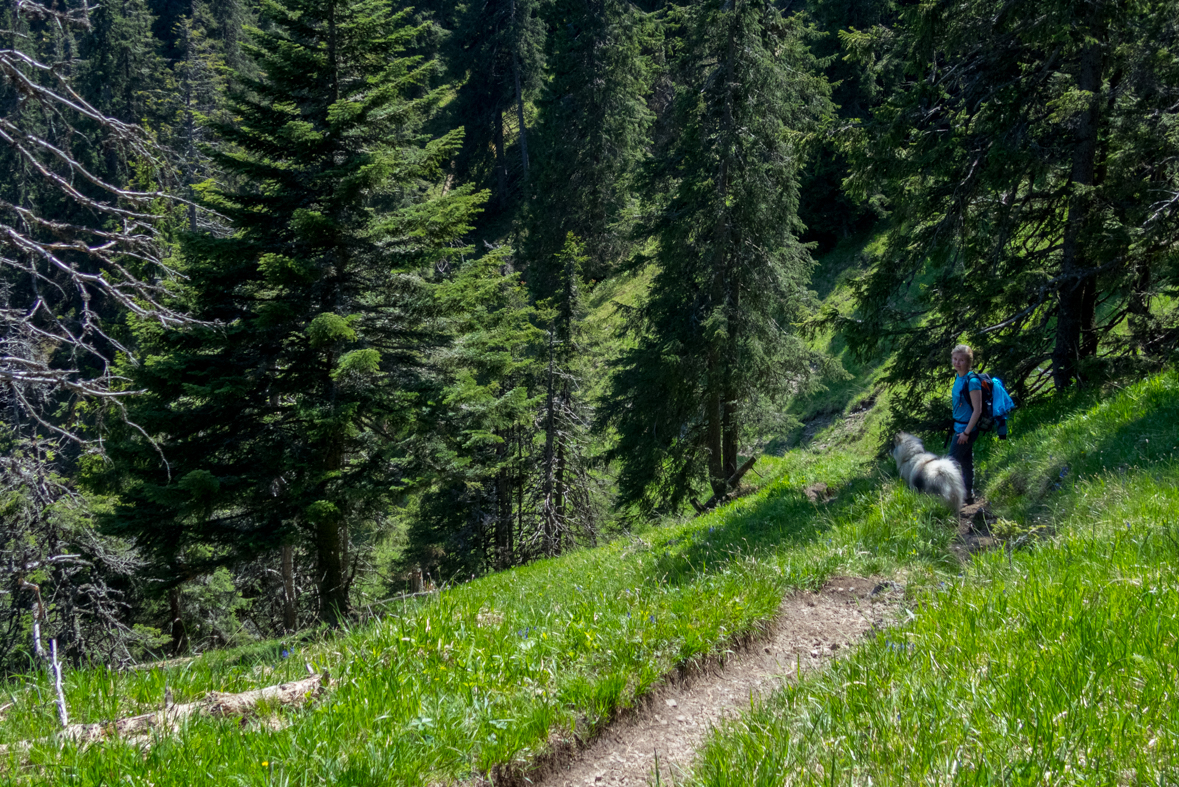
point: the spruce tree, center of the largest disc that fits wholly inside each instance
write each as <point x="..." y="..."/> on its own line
<point x="496" y="59"/>
<point x="713" y="337"/>
<point x="1027" y="163"/>
<point x="567" y="510"/>
<point x="121" y="72"/>
<point x="592" y="134"/>
<point x="479" y="511"/>
<point x="858" y="85"/>
<point x="281" y="418"/>
<point x="199" y="95"/>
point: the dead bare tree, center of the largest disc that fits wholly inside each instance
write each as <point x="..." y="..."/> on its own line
<point x="65" y="270"/>
<point x="59" y="580"/>
<point x="78" y="253"/>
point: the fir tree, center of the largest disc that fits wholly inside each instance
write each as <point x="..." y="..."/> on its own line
<point x="496" y="59"/>
<point x="566" y="506"/>
<point x="713" y="335"/>
<point x="282" y="417"/>
<point x="592" y="134"/>
<point x="480" y="510"/>
<point x="199" y="96"/>
<point x="222" y="22"/>
<point x="121" y="72"/>
<point x="851" y="36"/>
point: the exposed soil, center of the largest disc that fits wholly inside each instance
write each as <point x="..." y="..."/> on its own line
<point x="810" y="629"/>
<point x="974" y="531"/>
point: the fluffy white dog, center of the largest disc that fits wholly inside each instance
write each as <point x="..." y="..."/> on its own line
<point x="929" y="473"/>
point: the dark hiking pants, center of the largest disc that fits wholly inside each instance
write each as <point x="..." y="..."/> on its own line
<point x="964" y="456"/>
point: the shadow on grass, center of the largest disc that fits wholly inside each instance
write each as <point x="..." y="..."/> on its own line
<point x="784" y="518"/>
<point x="1072" y="445"/>
<point x="269" y="651"/>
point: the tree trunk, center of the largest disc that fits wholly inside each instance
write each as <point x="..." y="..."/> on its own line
<point x="501" y="164"/>
<point x="518" y="482"/>
<point x="1089" y="335"/>
<point x="290" y="619"/>
<point x="731" y="425"/>
<point x="179" y="632"/>
<point x="719" y="372"/>
<point x="331" y="528"/>
<point x="331" y="531"/>
<point x="503" y="507"/>
<point x="550" y="470"/>
<point x="519" y="92"/>
<point x="190" y="131"/>
<point x="560" y="494"/>
<point x="331" y="558"/>
<point x="713" y="413"/>
<point x="1075" y="313"/>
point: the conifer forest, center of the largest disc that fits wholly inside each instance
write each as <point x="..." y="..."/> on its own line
<point x="310" y="304"/>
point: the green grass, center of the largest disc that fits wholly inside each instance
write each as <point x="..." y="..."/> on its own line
<point x="481" y="676"/>
<point x="856" y="382"/>
<point x="1056" y="663"/>
<point x="1078" y="619"/>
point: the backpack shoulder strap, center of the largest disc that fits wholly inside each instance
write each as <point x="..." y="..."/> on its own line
<point x="964" y="394"/>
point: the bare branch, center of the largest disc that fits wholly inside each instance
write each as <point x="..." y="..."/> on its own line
<point x="64" y="278"/>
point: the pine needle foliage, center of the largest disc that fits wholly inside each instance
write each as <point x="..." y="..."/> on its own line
<point x="496" y="60"/>
<point x="592" y="134"/>
<point x="479" y="511"/>
<point x="713" y="340"/>
<point x="281" y="416"/>
<point x="567" y="506"/>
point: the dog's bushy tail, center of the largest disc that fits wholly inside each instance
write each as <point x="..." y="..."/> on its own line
<point x="955" y="497"/>
<point x="946" y="482"/>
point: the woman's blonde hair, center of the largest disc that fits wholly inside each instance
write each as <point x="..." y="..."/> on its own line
<point x="964" y="349"/>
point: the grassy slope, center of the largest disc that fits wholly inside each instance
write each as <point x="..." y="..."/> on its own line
<point x="482" y="676"/>
<point x="1054" y="662"/>
<point x="479" y="676"/>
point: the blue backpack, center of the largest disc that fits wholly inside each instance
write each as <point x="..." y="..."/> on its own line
<point x="996" y="403"/>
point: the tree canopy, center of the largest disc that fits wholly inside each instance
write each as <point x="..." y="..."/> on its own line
<point x="1027" y="161"/>
<point x="329" y="297"/>
<point x="713" y="337"/>
<point x="281" y="415"/>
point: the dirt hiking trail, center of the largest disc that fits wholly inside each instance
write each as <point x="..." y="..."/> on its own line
<point x="810" y="629"/>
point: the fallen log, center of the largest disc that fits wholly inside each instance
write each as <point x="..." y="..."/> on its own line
<point x="216" y="704"/>
<point x="736" y="477"/>
<point x="730" y="485"/>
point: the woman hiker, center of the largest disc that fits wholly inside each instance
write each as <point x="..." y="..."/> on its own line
<point x="966" y="413"/>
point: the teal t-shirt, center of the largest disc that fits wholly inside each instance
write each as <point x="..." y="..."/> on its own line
<point x="962" y="409"/>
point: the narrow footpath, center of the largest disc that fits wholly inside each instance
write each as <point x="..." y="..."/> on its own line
<point x="810" y="629"/>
